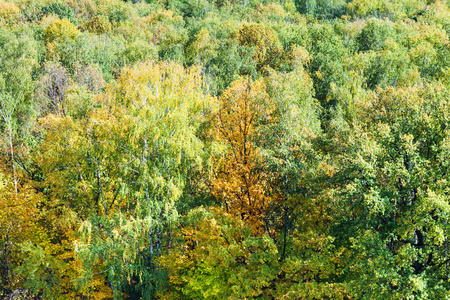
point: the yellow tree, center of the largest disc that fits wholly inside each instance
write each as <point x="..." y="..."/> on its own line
<point x="237" y="179"/>
<point x="18" y="223"/>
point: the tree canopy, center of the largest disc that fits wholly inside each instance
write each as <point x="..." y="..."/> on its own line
<point x="226" y="149"/>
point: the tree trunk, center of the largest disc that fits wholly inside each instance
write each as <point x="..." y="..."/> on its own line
<point x="12" y="162"/>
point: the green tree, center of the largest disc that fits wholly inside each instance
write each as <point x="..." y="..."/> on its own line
<point x="219" y="258"/>
<point x="143" y="146"/>
<point x="391" y="190"/>
<point x="284" y="139"/>
<point x="320" y="8"/>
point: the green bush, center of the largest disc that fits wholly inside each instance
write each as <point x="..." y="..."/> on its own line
<point x="89" y="49"/>
<point x="139" y="50"/>
<point x="322" y="9"/>
<point x="62" y="10"/>
<point x="374" y="35"/>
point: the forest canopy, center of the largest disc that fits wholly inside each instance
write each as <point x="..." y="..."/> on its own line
<point x="224" y="149"/>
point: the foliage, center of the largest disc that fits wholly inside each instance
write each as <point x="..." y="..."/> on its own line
<point x="62" y="10"/>
<point x="8" y="12"/>
<point x="237" y="180"/>
<point x="220" y="258"/>
<point x="265" y="44"/>
<point x="151" y="125"/>
<point x="224" y="149"/>
<point x="18" y="218"/>
<point x="98" y="24"/>
<point x="382" y="8"/>
<point x="321" y="8"/>
<point x="390" y="176"/>
<point x="60" y="30"/>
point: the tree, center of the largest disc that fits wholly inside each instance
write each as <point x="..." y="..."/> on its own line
<point x="237" y="180"/>
<point x="391" y="174"/>
<point x="142" y="145"/>
<point x="19" y="61"/>
<point x="320" y="8"/>
<point x="264" y="42"/>
<point x="284" y="140"/>
<point x="18" y="223"/>
<point x="218" y="257"/>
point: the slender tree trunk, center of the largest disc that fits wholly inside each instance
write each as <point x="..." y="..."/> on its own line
<point x="13" y="167"/>
<point x="285" y="232"/>
<point x="158" y="241"/>
<point x="112" y="286"/>
<point x="169" y="242"/>
<point x="285" y="215"/>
